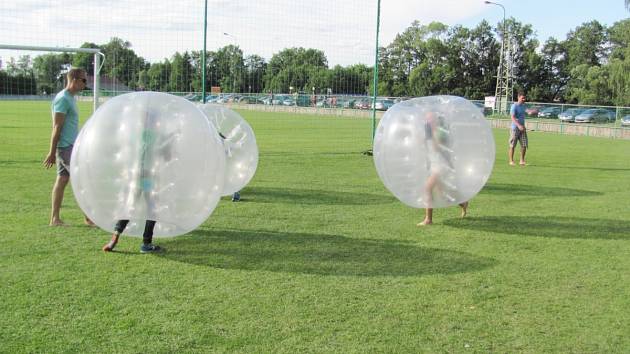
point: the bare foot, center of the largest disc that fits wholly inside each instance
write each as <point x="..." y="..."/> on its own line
<point x="57" y="223"/>
<point x="425" y="223"/>
<point x="464" y="207"/>
<point x="512" y="163"/>
<point x="109" y="247"/>
<point x="523" y="163"/>
<point x="89" y="222"/>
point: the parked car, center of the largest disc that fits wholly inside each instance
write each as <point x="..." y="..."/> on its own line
<point x="383" y="105"/>
<point x="362" y="104"/>
<point x="192" y="97"/>
<point x="595" y="115"/>
<point x="533" y="110"/>
<point x="569" y="114"/>
<point x="211" y="98"/>
<point x="625" y="121"/>
<point x="549" y="112"/>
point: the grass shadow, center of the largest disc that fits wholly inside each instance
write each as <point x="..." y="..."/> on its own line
<point x="312" y="197"/>
<point x="316" y="254"/>
<point x="611" y="169"/>
<point x="533" y="190"/>
<point x="547" y="226"/>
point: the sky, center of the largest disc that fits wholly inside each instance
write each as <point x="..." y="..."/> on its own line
<point x="343" y="29"/>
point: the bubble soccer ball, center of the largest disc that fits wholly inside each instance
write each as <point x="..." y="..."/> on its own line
<point x="433" y="152"/>
<point x="148" y="155"/>
<point x="240" y="146"/>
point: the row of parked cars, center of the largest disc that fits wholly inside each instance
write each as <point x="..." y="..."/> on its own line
<point x="302" y="100"/>
<point x="576" y="115"/>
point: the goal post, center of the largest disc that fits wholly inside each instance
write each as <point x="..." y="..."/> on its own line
<point x="97" y="61"/>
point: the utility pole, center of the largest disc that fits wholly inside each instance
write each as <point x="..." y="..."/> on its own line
<point x="504" y="90"/>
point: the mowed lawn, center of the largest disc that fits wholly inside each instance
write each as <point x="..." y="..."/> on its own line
<point x="320" y="257"/>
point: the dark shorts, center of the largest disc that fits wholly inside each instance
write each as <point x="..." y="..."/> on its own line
<point x="63" y="160"/>
<point x="517" y="135"/>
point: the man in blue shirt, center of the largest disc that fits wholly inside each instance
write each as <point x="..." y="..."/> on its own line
<point x="65" y="129"/>
<point x="518" y="133"/>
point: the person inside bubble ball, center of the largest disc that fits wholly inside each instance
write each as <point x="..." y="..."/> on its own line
<point x="439" y="165"/>
<point x="236" y="197"/>
<point x="155" y="153"/>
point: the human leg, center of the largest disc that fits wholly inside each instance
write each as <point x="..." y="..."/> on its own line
<point x="524" y="144"/>
<point x="512" y="144"/>
<point x="147" y="238"/>
<point x="118" y="230"/>
<point x="428" y="217"/>
<point x="464" y="207"/>
<point x="57" y="198"/>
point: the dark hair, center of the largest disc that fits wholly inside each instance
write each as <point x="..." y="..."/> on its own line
<point x="75" y="73"/>
<point x="521" y="93"/>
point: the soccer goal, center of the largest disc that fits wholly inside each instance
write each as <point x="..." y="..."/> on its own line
<point x="39" y="76"/>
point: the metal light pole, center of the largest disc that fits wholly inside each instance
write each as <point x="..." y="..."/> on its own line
<point x="233" y="67"/>
<point x="203" y="56"/>
<point x="503" y="91"/>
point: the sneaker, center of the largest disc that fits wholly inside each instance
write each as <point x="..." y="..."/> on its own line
<point x="150" y="248"/>
<point x="236" y="197"/>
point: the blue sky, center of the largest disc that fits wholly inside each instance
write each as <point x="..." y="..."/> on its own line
<point x="554" y="17"/>
<point x="343" y="29"/>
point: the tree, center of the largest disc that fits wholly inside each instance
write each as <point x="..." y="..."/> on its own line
<point x="255" y="67"/>
<point x="555" y="70"/>
<point x="85" y="60"/>
<point x="228" y="68"/>
<point x="180" y="77"/>
<point x="586" y="45"/>
<point x="619" y="38"/>
<point x="48" y="70"/>
<point x="158" y="76"/>
<point x="294" y="67"/>
<point x="121" y="62"/>
<point x="590" y="85"/>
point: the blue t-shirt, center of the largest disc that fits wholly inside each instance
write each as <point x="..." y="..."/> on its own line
<point x="64" y="103"/>
<point x="518" y="111"/>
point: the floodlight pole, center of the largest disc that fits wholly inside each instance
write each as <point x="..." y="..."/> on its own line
<point x="503" y="89"/>
<point x="203" y="54"/>
<point x="375" y="80"/>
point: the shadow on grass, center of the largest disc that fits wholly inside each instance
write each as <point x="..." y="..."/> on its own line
<point x="317" y="254"/>
<point x="547" y="226"/>
<point x="583" y="168"/>
<point x="312" y="196"/>
<point x="533" y="190"/>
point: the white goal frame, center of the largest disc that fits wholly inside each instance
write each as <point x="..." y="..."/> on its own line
<point x="97" y="61"/>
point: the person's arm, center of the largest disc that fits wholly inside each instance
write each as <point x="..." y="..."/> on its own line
<point x="54" y="139"/>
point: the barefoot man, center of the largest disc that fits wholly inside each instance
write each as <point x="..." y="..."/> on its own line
<point x="65" y="128"/>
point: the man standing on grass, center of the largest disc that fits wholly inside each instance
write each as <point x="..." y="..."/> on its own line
<point x="518" y="133"/>
<point x="65" y="128"/>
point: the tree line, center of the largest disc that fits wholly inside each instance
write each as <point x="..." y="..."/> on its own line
<point x="590" y="66"/>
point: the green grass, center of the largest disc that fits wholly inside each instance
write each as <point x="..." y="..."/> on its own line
<point x="320" y="257"/>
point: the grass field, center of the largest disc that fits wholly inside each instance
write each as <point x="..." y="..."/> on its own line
<point x="320" y="257"/>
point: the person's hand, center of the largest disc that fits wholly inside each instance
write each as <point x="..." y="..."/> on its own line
<point x="50" y="160"/>
<point x="521" y="127"/>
